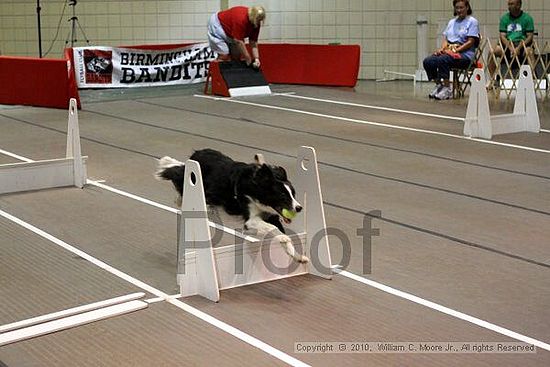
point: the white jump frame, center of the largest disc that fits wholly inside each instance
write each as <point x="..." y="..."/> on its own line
<point x="68" y="171"/>
<point x="480" y="123"/>
<point x="205" y="270"/>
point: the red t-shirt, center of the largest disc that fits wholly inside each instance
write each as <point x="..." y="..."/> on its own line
<point x="236" y="25"/>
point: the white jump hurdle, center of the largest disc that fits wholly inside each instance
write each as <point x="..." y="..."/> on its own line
<point x="205" y="270"/>
<point x="480" y="123"/>
<point x="68" y="171"/>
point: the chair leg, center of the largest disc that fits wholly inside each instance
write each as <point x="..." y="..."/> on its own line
<point x="456" y="87"/>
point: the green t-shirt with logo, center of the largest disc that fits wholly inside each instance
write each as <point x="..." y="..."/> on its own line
<point x="516" y="29"/>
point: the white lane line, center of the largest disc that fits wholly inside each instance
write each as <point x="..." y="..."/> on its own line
<point x="374" y="107"/>
<point x="13" y="155"/>
<point x="545" y="131"/>
<point x="82" y="254"/>
<point x="380" y="124"/>
<point x="239" y="334"/>
<point x="445" y="310"/>
<point x="170" y="209"/>
<point x="99" y="183"/>
<point x="249" y="339"/>
<point x="132" y="196"/>
<point x="70" y="312"/>
<point x="223" y="98"/>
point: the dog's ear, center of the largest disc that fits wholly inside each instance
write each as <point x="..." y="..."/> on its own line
<point x="280" y="173"/>
<point x="264" y="173"/>
<point x="259" y="159"/>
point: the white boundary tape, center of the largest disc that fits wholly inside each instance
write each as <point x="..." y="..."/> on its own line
<point x="258" y="343"/>
<point x="385" y="125"/>
<point x="185" y="307"/>
<point x="373" y="107"/>
<point x="445" y="310"/>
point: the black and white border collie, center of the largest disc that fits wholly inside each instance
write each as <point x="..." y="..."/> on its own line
<point x="260" y="193"/>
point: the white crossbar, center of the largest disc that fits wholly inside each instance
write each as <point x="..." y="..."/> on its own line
<point x="249" y="91"/>
<point x="70" y="322"/>
<point x="70" y="312"/>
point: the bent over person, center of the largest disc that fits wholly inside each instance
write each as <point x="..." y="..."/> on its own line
<point x="228" y="29"/>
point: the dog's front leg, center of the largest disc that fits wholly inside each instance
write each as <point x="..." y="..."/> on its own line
<point x="264" y="229"/>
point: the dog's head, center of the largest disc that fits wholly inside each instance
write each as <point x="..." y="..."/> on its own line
<point x="274" y="192"/>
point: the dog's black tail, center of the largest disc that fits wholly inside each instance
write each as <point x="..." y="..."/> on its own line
<point x="173" y="170"/>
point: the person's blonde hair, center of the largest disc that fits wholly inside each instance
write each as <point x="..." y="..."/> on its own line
<point x="256" y="14"/>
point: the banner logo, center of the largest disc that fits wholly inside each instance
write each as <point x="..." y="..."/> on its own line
<point x="99" y="66"/>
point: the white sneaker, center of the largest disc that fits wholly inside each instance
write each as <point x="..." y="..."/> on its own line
<point x="444" y="93"/>
<point x="435" y="91"/>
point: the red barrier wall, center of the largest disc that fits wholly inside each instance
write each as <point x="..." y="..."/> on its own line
<point x="285" y="63"/>
<point x="36" y="82"/>
<point x="329" y="65"/>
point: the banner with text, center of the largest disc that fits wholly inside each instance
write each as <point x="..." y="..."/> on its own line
<point x="112" y="67"/>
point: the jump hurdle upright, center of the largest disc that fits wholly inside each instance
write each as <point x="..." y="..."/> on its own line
<point x="205" y="270"/>
<point x="68" y="171"/>
<point x="480" y="123"/>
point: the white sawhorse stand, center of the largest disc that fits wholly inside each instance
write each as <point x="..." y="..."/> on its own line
<point x="478" y="121"/>
<point x="68" y="171"/>
<point x="205" y="270"/>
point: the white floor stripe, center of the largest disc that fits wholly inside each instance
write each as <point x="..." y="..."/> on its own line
<point x="445" y="310"/>
<point x="380" y="124"/>
<point x="249" y="339"/>
<point x="239" y="334"/>
<point x="170" y="209"/>
<point x="13" y="155"/>
<point x="70" y="312"/>
<point x="375" y="107"/>
<point x="99" y="183"/>
<point x="83" y="255"/>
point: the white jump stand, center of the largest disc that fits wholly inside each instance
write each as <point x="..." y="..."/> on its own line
<point x="205" y="270"/>
<point x="478" y="121"/>
<point x="68" y="171"/>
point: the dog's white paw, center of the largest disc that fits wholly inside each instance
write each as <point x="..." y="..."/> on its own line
<point x="286" y="242"/>
<point x="301" y="259"/>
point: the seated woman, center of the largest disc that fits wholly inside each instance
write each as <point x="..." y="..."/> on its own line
<point x="457" y="50"/>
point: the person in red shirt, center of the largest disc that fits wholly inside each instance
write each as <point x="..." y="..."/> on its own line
<point x="228" y="29"/>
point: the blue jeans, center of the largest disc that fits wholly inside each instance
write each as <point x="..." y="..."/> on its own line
<point x="439" y="67"/>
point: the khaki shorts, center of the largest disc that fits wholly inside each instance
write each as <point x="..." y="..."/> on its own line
<point x="218" y="40"/>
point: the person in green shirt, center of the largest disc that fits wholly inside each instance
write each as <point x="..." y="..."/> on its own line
<point x="516" y="36"/>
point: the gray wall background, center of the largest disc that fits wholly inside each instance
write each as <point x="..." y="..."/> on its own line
<point x="385" y="29"/>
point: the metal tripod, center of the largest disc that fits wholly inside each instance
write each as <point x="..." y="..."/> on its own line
<point x="74" y="23"/>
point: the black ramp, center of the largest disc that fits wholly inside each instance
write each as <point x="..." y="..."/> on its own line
<point x="238" y="75"/>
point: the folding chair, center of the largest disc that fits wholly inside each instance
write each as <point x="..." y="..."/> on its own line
<point x="508" y="68"/>
<point x="462" y="78"/>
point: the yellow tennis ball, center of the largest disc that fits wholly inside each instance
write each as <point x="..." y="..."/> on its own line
<point x="289" y="214"/>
